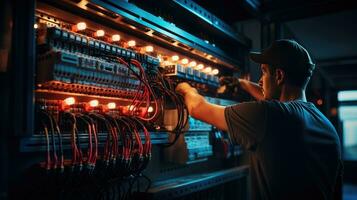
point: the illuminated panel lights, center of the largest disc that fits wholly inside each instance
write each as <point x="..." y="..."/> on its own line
<point x="204" y="75"/>
<point x="111" y="105"/>
<point x="84" y="74"/>
<point x="184" y="61"/>
<point x="175" y="58"/>
<point x="149" y="49"/>
<point x="188" y="70"/>
<point x="69" y="101"/>
<point x="57" y="87"/>
<point x="115" y="38"/>
<point x="81" y="26"/>
<point x="74" y="41"/>
<point x="131" y="43"/>
<point x="99" y="33"/>
<point x="91" y="104"/>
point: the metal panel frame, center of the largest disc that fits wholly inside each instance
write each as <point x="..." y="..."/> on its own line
<point x="140" y="16"/>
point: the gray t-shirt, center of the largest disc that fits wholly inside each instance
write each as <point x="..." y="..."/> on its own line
<point x="295" y="150"/>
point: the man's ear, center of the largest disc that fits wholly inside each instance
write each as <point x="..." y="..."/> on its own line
<point x="279" y="76"/>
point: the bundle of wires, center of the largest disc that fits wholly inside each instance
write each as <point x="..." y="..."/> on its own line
<point x="146" y="157"/>
<point x="92" y="152"/>
<point x="130" y="141"/>
<point x="138" y="149"/>
<point x="144" y="94"/>
<point x="77" y="159"/>
<point x="111" y="144"/>
<point x="118" y="137"/>
<point x="48" y="118"/>
<point x="164" y="87"/>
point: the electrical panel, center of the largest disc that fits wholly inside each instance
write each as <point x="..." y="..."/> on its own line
<point x="106" y="114"/>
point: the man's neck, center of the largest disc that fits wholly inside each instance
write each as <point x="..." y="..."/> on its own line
<point x="291" y="93"/>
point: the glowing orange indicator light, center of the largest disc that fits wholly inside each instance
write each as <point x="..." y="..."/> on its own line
<point x="69" y="101"/>
<point x="111" y="105"/>
<point x="81" y="26"/>
<point x="319" y="102"/>
<point x="150" y="109"/>
<point x="131" y="108"/>
<point x="207" y="70"/>
<point x="149" y="49"/>
<point x="192" y="64"/>
<point x="131" y="43"/>
<point x="184" y="61"/>
<point x="94" y="103"/>
<point x="99" y="33"/>
<point x="175" y="58"/>
<point x="215" y="72"/>
<point x="115" y="38"/>
<point x="200" y="66"/>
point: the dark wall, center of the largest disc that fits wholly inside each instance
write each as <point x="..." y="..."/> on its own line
<point x="5" y="48"/>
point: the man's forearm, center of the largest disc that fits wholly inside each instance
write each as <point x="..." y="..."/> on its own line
<point x="200" y="109"/>
<point x="192" y="100"/>
<point x="252" y="88"/>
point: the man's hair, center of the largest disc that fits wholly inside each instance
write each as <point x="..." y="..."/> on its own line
<point x="289" y="56"/>
<point x="299" y="78"/>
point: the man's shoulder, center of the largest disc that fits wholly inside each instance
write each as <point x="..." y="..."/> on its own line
<point x="289" y="104"/>
<point x="288" y="108"/>
<point x="265" y="104"/>
<point x="274" y="106"/>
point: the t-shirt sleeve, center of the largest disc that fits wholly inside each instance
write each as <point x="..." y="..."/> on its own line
<point x="247" y="123"/>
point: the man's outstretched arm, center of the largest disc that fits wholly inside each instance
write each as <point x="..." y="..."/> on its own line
<point x="200" y="109"/>
<point x="252" y="88"/>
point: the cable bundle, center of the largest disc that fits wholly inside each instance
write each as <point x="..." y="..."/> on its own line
<point x="165" y="89"/>
<point x="156" y="89"/>
<point x="144" y="94"/>
<point x="50" y="126"/>
<point x="126" y="148"/>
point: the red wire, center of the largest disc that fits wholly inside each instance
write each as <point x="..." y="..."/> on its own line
<point x="90" y="141"/>
<point x="79" y="151"/>
<point x="138" y="65"/>
<point x="94" y="159"/>
<point x="122" y="149"/>
<point x="62" y="156"/>
<point x="147" y="141"/>
<point x="115" y="142"/>
<point x="106" y="149"/>
<point x="48" y="155"/>
<point x="74" y="146"/>
<point x="147" y="91"/>
<point x="139" y="143"/>
<point x="130" y="147"/>
<point x="90" y="155"/>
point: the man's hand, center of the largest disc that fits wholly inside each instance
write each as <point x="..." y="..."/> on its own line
<point x="231" y="84"/>
<point x="230" y="81"/>
<point x="190" y="94"/>
<point x="200" y="109"/>
<point x="183" y="88"/>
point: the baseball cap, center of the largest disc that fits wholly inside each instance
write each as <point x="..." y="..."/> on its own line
<point x="286" y="54"/>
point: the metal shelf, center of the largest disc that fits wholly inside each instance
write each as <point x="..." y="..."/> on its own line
<point x="182" y="186"/>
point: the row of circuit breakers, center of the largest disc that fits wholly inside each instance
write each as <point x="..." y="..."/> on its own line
<point x="79" y="59"/>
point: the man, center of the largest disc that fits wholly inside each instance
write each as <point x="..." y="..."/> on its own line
<point x="295" y="150"/>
